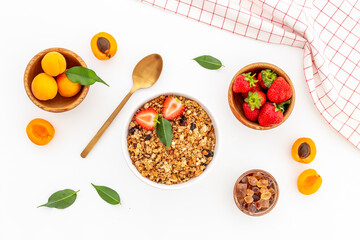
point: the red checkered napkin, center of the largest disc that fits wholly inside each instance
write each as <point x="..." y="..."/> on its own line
<point x="328" y="31"/>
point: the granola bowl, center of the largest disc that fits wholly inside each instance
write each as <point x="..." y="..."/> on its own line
<point x="190" y="155"/>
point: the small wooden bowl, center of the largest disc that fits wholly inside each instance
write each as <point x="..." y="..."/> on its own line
<point x="236" y="100"/>
<point x="276" y="188"/>
<point x="59" y="103"/>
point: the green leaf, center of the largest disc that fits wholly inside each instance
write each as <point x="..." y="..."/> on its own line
<point x="164" y="132"/>
<point x="61" y="199"/>
<point x="281" y="106"/>
<point x="83" y="76"/>
<point x="107" y="194"/>
<point x="208" y="62"/>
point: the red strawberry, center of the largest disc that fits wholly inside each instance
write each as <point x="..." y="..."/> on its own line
<point x="271" y="114"/>
<point x="172" y="108"/>
<point x="251" y="114"/>
<point x="255" y="99"/>
<point x="244" y="82"/>
<point x="279" y="91"/>
<point x="147" y="118"/>
<point x="253" y="89"/>
<point x="266" y="78"/>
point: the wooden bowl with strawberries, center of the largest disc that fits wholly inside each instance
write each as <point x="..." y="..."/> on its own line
<point x="261" y="96"/>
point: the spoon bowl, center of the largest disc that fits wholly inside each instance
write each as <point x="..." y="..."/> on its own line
<point x="147" y="71"/>
<point x="145" y="74"/>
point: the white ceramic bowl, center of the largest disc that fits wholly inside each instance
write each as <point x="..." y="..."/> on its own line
<point x="161" y="185"/>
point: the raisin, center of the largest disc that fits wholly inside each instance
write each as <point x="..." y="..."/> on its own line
<point x="255" y="197"/>
<point x="132" y="130"/>
<point x="210" y="153"/>
<point x="182" y="121"/>
<point x="148" y="137"/>
<point x="192" y="126"/>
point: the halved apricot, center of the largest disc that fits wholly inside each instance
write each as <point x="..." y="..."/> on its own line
<point x="309" y="182"/>
<point x="40" y="131"/>
<point x="103" y="45"/>
<point x="303" y="150"/>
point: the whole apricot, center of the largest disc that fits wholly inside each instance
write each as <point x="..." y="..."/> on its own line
<point x="40" y="131"/>
<point x="53" y="63"/>
<point x="66" y="87"/>
<point x="103" y="45"/>
<point x="309" y="182"/>
<point x="303" y="150"/>
<point x="44" y="87"/>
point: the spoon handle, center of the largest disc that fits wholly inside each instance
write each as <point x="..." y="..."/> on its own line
<point x="98" y="135"/>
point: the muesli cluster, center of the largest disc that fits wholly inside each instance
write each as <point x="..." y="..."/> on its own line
<point x="191" y="149"/>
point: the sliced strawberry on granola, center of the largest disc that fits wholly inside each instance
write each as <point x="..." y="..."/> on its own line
<point x="172" y="108"/>
<point x="147" y="118"/>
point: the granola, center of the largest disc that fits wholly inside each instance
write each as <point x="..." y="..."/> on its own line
<point x="191" y="150"/>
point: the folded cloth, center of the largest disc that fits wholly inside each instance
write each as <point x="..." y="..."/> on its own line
<point x="328" y="31"/>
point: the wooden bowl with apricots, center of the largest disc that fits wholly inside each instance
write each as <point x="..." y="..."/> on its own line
<point x="261" y="96"/>
<point x="46" y="83"/>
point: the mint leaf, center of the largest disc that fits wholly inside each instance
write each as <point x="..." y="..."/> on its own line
<point x="164" y="132"/>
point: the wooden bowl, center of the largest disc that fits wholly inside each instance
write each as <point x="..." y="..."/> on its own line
<point x="236" y="100"/>
<point x="59" y="103"/>
<point x="276" y="188"/>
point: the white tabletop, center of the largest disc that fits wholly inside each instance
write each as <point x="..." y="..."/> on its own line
<point x="29" y="174"/>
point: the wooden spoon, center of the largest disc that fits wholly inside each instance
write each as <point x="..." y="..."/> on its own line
<point x="145" y="74"/>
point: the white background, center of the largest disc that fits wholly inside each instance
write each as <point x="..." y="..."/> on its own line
<point x="29" y="174"/>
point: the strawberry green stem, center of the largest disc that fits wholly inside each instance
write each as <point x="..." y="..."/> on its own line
<point x="250" y="78"/>
<point x="253" y="100"/>
<point x="268" y="77"/>
<point x="281" y="106"/>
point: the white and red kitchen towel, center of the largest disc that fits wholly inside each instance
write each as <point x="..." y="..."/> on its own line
<point x="328" y="31"/>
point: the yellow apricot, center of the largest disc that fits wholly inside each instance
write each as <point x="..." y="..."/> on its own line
<point x="40" y="131"/>
<point x="309" y="182"/>
<point x="66" y="87"/>
<point x="44" y="87"/>
<point x="303" y="150"/>
<point x="53" y="63"/>
<point x="103" y="45"/>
